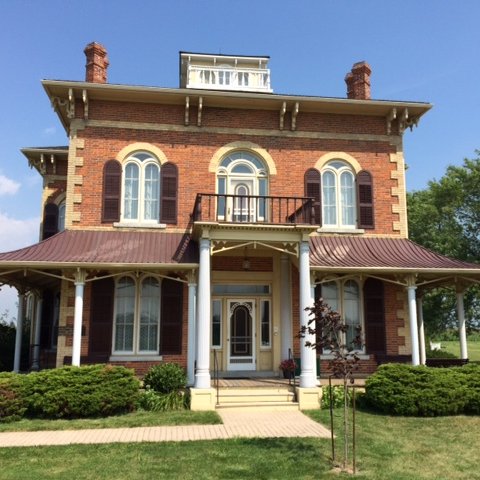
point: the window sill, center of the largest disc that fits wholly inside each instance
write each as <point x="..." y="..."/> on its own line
<point x="135" y="358"/>
<point x="354" y="231"/>
<point x="157" y="226"/>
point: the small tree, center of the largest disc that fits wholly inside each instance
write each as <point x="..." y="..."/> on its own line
<point x="330" y="332"/>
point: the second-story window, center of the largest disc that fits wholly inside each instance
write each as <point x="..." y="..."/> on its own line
<point x="141" y="188"/>
<point x="243" y="179"/>
<point x="338" y="195"/>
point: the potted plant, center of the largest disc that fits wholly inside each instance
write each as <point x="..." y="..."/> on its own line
<point x="288" y="368"/>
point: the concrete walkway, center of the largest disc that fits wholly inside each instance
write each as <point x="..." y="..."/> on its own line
<point x="236" y="424"/>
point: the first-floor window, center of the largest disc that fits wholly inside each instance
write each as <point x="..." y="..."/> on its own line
<point x="137" y="315"/>
<point x="217" y="323"/>
<point x="344" y="298"/>
<point x="265" y="322"/>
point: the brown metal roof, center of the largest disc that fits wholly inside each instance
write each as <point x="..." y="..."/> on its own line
<point x="104" y="248"/>
<point x="369" y="253"/>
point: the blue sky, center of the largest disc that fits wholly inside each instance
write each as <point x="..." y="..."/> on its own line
<point x="419" y="51"/>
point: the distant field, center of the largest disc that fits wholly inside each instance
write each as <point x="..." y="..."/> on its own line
<point x="454" y="347"/>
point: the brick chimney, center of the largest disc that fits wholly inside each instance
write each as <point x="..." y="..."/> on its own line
<point x="358" y="81"/>
<point x="97" y="63"/>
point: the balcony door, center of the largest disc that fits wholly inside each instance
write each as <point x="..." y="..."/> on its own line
<point x="243" y="207"/>
<point x="241" y="334"/>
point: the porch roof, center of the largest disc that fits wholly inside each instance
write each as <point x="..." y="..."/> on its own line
<point x="395" y="255"/>
<point x="97" y="249"/>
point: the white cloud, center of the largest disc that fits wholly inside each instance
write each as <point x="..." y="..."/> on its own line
<point x="49" y="131"/>
<point x="8" y="186"/>
<point x="15" y="234"/>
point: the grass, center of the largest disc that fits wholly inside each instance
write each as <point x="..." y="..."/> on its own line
<point x="387" y="448"/>
<point x="453" y="346"/>
<point x="136" y="419"/>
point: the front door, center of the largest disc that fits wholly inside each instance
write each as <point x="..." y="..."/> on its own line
<point x="241" y="334"/>
<point x="243" y="204"/>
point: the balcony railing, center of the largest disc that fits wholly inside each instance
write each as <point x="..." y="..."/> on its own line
<point x="254" y="209"/>
<point x="222" y="78"/>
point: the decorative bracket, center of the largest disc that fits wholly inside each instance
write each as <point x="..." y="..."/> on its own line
<point x="187" y="111"/>
<point x="294" y="116"/>
<point x="403" y="121"/>
<point x="68" y="104"/>
<point x="390" y="117"/>
<point x="282" y="114"/>
<point x="85" y="104"/>
<point x="200" y="107"/>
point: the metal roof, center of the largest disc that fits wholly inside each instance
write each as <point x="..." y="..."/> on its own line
<point x="105" y="248"/>
<point x="388" y="254"/>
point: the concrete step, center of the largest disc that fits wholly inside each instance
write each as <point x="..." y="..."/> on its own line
<point x="252" y="406"/>
<point x="233" y="397"/>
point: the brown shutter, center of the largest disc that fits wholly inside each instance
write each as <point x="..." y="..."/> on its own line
<point x="374" y="301"/>
<point x="112" y="180"/>
<point x="365" y="200"/>
<point x="168" y="193"/>
<point x="171" y="318"/>
<point x="313" y="190"/>
<point x="101" y="321"/>
<point x="50" y="220"/>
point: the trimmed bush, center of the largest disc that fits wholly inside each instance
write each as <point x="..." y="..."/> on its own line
<point x="440" y="354"/>
<point x="338" y="396"/>
<point x="166" y="378"/>
<point x="12" y="405"/>
<point x="76" y="392"/>
<point x="421" y="391"/>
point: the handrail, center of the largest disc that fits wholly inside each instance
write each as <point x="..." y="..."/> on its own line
<point x="290" y="357"/>
<point x="216" y="376"/>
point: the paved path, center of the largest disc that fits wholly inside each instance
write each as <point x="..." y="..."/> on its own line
<point x="235" y="424"/>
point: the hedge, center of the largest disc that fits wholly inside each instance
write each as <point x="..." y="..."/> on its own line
<point x="69" y="392"/>
<point x="422" y="391"/>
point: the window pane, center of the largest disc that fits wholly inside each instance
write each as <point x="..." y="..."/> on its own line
<point x="347" y="198"/>
<point x="240" y="289"/>
<point x="221" y="181"/>
<point x="265" y="322"/>
<point x="131" y="192"/>
<point x="329" y="195"/>
<point x="242" y="168"/>
<point x="151" y="193"/>
<point x="124" y="314"/>
<point x="149" y="315"/>
<point x="351" y="312"/>
<point x="61" y="217"/>
<point x="330" y="295"/>
<point x="216" y="323"/>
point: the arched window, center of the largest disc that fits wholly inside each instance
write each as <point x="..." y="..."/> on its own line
<point x="243" y="179"/>
<point x="338" y="195"/>
<point x="141" y="188"/>
<point x="61" y="217"/>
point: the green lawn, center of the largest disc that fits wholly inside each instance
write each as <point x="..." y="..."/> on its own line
<point x="388" y="448"/>
<point x="454" y="347"/>
<point x="135" y="419"/>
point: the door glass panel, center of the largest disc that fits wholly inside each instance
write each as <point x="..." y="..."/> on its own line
<point x="241" y="332"/>
<point x="217" y="323"/>
<point x="265" y="322"/>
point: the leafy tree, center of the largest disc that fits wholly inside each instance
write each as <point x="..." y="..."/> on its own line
<point x="445" y="217"/>
<point x="7" y="341"/>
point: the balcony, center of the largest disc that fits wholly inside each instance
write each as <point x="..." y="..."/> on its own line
<point x="254" y="209"/>
<point x="229" y="78"/>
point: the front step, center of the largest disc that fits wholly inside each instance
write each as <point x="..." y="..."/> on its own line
<point x="279" y="397"/>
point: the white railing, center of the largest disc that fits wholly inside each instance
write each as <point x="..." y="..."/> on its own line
<point x="221" y="78"/>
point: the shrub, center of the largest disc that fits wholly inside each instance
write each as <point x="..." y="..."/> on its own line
<point x="440" y="354"/>
<point x="166" y="378"/>
<point x="162" y="402"/>
<point x="75" y="392"/>
<point x="338" y="396"/>
<point x="12" y="404"/>
<point x="422" y="391"/>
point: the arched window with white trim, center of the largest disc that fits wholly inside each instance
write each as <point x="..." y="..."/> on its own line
<point x="243" y="178"/>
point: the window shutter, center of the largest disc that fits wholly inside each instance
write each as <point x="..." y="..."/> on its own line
<point x="313" y="190"/>
<point x="168" y="193"/>
<point x="50" y="220"/>
<point x="101" y="320"/>
<point x="374" y="300"/>
<point x="112" y="179"/>
<point x="171" y="318"/>
<point x="365" y="200"/>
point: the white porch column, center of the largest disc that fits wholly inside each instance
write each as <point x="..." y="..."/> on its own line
<point x="192" y="299"/>
<point x="412" y="312"/>
<point x="77" y="319"/>
<point x="421" y="331"/>
<point x="19" y="332"/>
<point x="38" y="326"/>
<point x="462" y="332"/>
<point x="285" y="307"/>
<point x="307" y="354"/>
<point x="202" y="375"/>
<point x="312" y="301"/>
